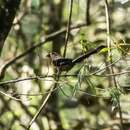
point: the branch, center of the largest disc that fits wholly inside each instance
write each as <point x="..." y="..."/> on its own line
<point x="68" y="28"/>
<point x="110" y="54"/>
<point x="46" y="38"/>
<point x="88" y="22"/>
<point x="66" y="75"/>
<point x="41" y="107"/>
<point x="7" y="15"/>
<point x="44" y="101"/>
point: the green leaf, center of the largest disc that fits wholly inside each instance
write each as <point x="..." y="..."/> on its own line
<point x="106" y="49"/>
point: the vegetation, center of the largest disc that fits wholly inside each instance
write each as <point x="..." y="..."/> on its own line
<point x="94" y="94"/>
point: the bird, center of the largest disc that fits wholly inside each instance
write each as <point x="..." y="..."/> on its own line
<point x="65" y="64"/>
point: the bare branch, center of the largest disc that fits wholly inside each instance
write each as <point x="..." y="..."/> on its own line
<point x="41" y="107"/>
<point x="88" y="22"/>
<point x="68" y="27"/>
<point x="110" y="55"/>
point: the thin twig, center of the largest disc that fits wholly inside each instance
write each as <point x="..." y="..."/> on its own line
<point x="88" y="22"/>
<point x="110" y="55"/>
<point x="109" y="65"/>
<point x="40" y="109"/>
<point x="24" y="79"/>
<point x="9" y="96"/>
<point x="66" y="75"/>
<point x="45" y="101"/>
<point x="68" y="27"/>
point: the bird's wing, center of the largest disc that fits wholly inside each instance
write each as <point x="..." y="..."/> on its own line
<point x="62" y="62"/>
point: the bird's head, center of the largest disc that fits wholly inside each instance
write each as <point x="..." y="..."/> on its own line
<point x="53" y="55"/>
<point x="50" y="54"/>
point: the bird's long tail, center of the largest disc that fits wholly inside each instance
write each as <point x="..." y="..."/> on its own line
<point x="84" y="56"/>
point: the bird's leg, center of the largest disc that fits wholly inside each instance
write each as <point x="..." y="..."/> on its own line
<point x="57" y="70"/>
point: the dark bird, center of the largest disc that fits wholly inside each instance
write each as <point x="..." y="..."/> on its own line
<point x="65" y="64"/>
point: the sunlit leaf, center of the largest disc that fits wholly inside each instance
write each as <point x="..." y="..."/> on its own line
<point x="106" y="49"/>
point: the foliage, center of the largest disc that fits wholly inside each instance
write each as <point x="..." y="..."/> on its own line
<point x="82" y="98"/>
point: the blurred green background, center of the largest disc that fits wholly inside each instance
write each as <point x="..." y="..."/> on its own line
<point x="85" y="99"/>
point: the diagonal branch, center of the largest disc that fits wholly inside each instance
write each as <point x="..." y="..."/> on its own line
<point x="41" y="108"/>
<point x="46" y="38"/>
